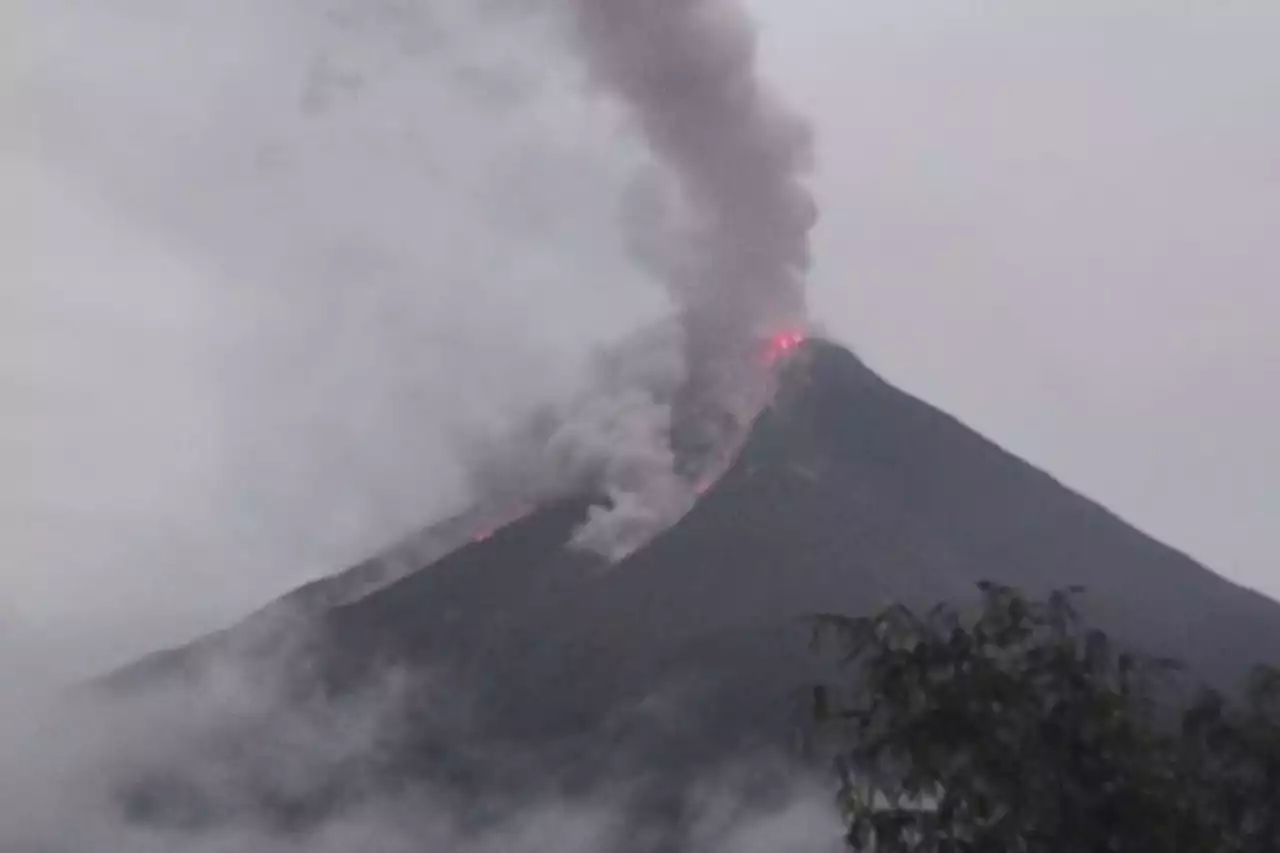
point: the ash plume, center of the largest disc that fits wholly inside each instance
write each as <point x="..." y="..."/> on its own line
<point x="730" y="246"/>
<point x="687" y="70"/>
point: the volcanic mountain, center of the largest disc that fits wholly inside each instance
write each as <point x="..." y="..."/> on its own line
<point x="847" y="494"/>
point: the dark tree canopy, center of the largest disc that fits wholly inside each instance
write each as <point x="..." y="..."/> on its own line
<point x="1017" y="728"/>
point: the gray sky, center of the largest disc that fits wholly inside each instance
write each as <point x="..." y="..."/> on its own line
<point x="264" y="262"/>
<point x="1056" y="220"/>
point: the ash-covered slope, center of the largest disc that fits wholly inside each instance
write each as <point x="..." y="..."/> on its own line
<point x="848" y="494"/>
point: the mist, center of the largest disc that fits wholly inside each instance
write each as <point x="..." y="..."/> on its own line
<point x="321" y="250"/>
<point x="219" y="759"/>
<point x="274" y="259"/>
<point x="293" y="279"/>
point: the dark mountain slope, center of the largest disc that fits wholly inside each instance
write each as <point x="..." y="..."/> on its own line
<point x="848" y="494"/>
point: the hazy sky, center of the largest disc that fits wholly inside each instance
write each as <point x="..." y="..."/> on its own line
<point x="1057" y="220"/>
<point x="265" y="261"/>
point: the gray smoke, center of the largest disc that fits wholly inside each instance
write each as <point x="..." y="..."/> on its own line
<point x="727" y="236"/>
<point x="687" y="69"/>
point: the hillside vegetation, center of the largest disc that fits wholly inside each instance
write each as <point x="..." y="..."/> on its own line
<point x="1018" y="728"/>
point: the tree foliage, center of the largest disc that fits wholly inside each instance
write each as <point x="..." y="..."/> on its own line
<point x="1020" y="729"/>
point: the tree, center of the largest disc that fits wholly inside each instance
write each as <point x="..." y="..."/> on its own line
<point x="1019" y="729"/>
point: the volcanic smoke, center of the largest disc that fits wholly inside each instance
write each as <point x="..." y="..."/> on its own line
<point x="666" y="410"/>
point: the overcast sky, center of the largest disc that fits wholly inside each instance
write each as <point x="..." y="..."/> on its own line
<point x="265" y="261"/>
<point x="1058" y="221"/>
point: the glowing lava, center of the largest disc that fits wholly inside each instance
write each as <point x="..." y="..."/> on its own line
<point x="781" y="344"/>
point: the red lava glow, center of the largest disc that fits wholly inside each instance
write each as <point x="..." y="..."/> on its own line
<point x="483" y="536"/>
<point x="781" y="344"/>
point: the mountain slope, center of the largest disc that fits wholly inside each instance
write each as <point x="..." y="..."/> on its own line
<point x="848" y="494"/>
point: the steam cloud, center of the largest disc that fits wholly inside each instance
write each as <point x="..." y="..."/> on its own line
<point x="730" y="245"/>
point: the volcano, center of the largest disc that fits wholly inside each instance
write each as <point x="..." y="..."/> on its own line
<point x="847" y="494"/>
